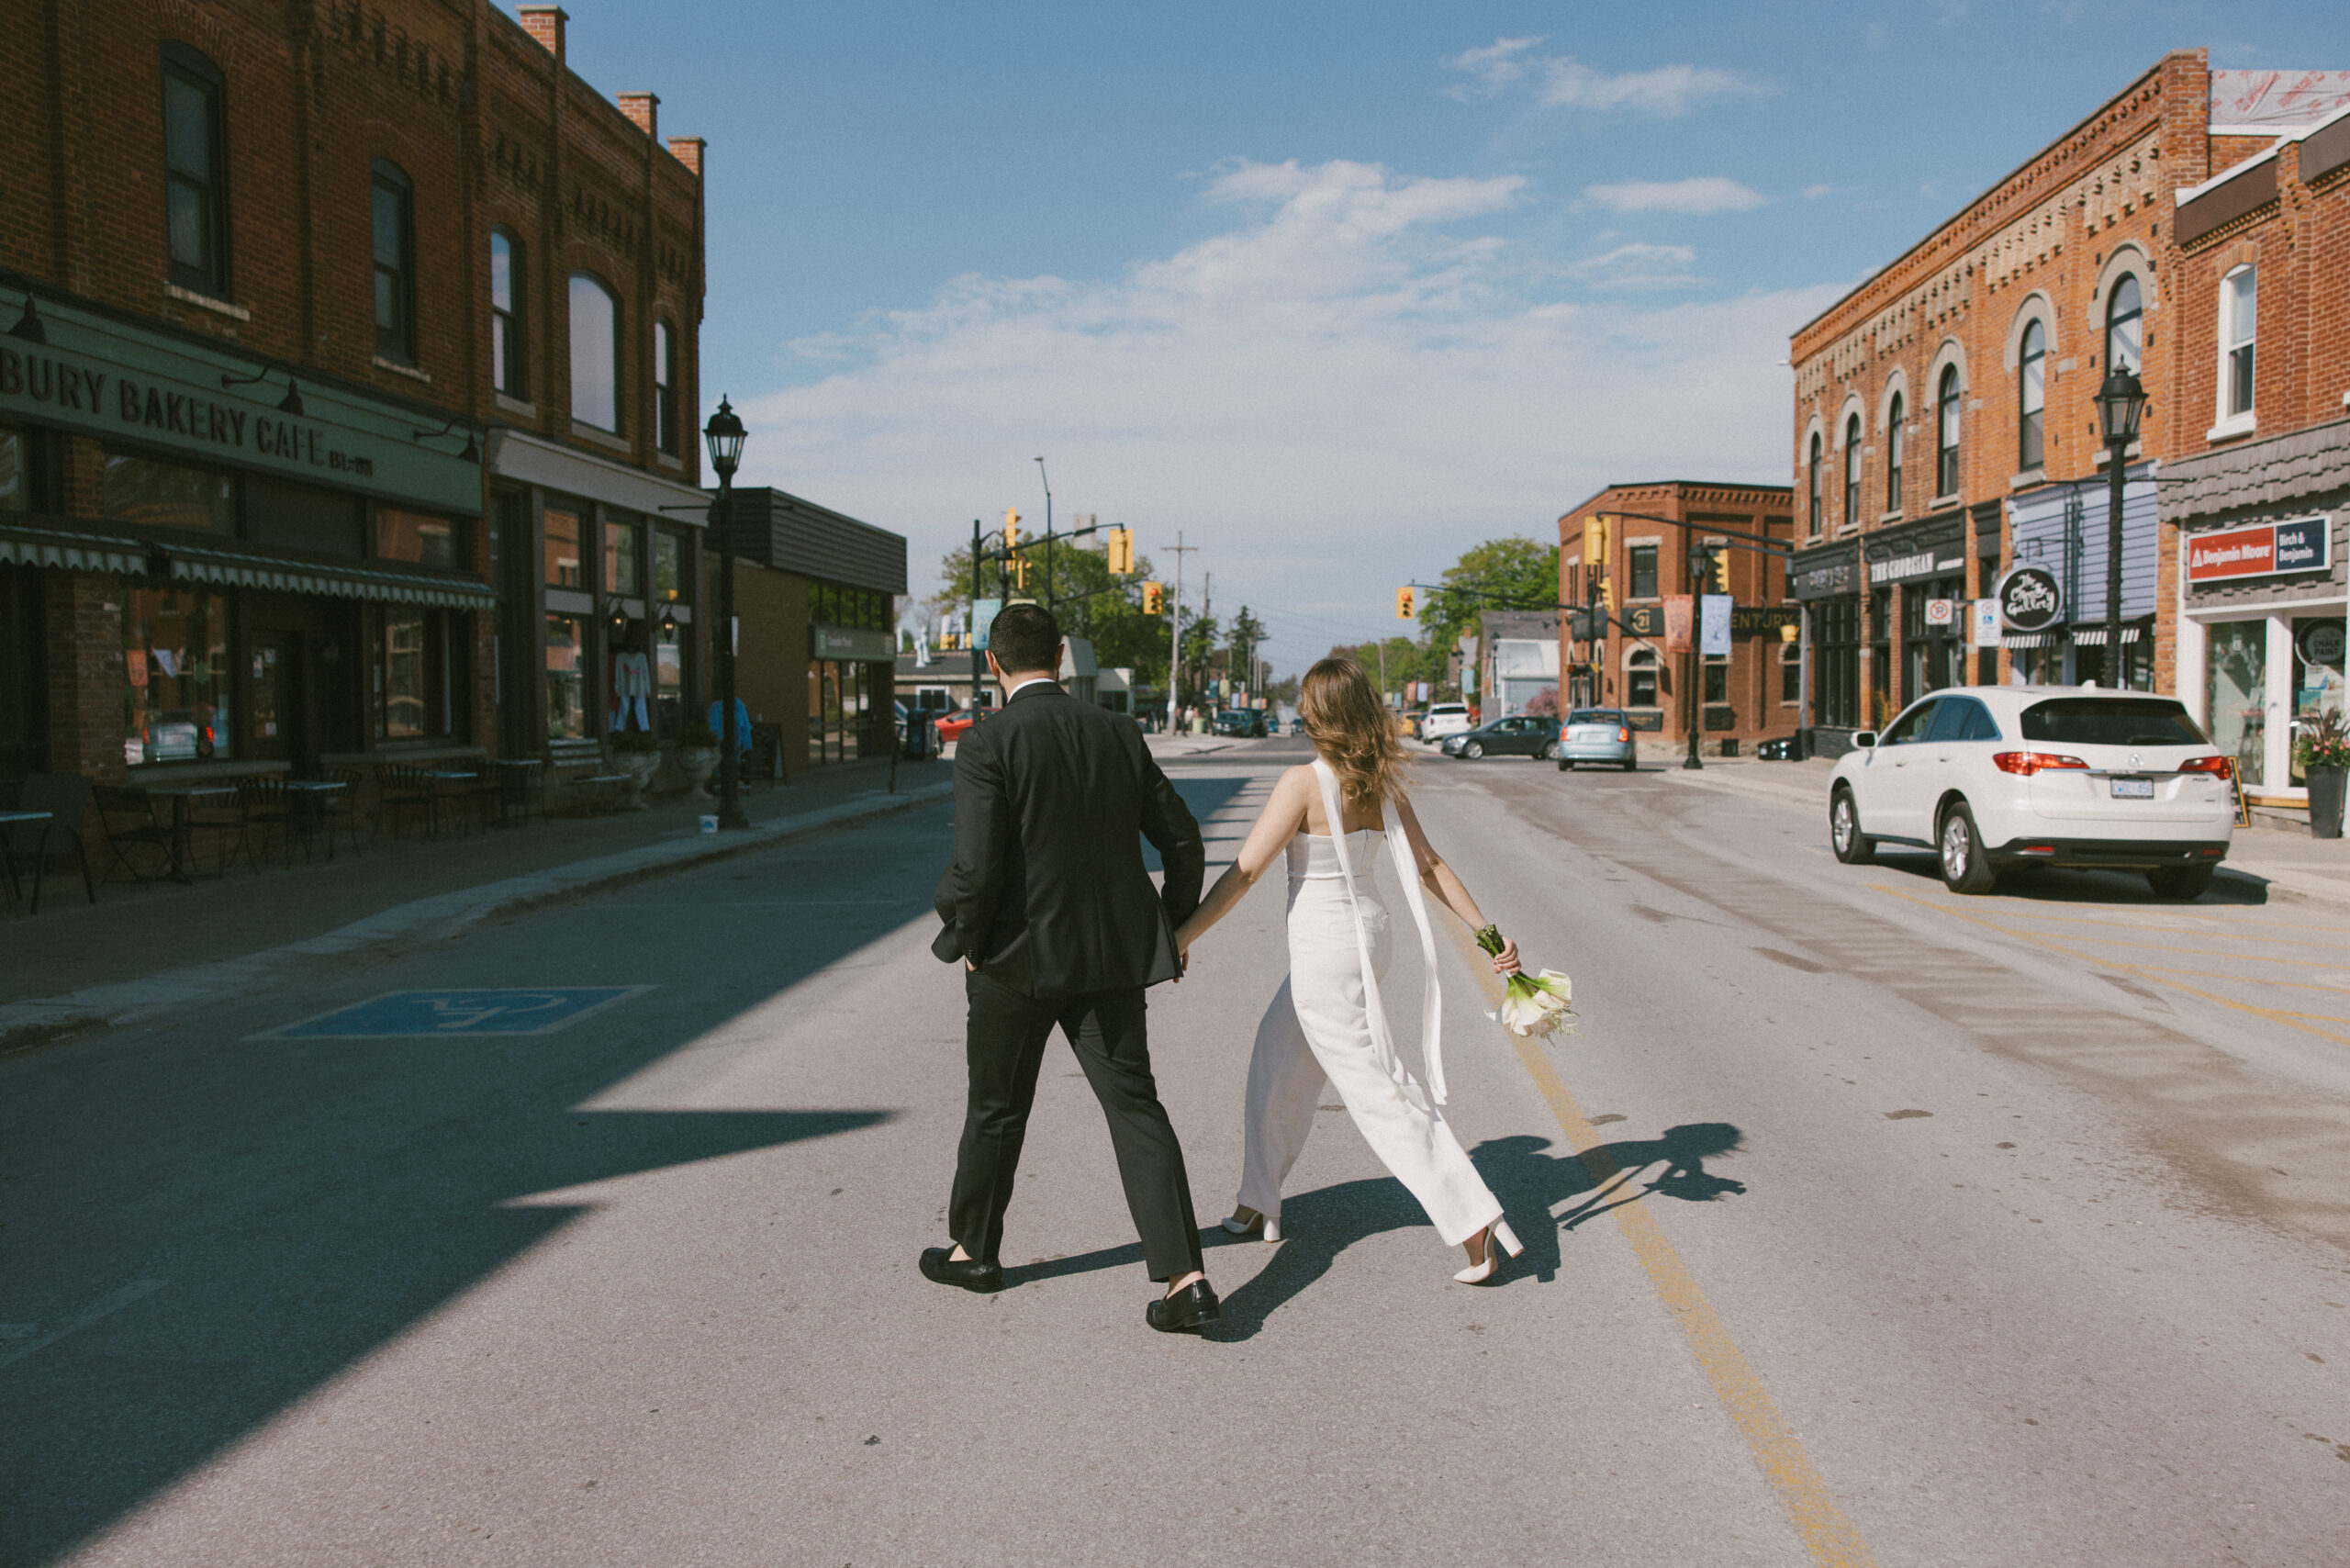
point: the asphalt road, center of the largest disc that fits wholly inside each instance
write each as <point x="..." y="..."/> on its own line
<point x="1885" y="1226"/>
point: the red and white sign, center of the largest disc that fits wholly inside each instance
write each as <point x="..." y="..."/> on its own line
<point x="2237" y="553"/>
<point x="1941" y="611"/>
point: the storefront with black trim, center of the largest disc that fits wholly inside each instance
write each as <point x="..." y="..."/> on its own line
<point x="207" y="568"/>
<point x="1917" y="579"/>
<point x="1825" y="581"/>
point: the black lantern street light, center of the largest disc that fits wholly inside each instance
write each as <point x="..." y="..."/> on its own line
<point x="1701" y="571"/>
<point x="2120" y="402"/>
<point x="724" y="436"/>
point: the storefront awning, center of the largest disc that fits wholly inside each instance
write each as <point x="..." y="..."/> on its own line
<point x="72" y="552"/>
<point x="2094" y="636"/>
<point x="2047" y="639"/>
<point x="382" y="581"/>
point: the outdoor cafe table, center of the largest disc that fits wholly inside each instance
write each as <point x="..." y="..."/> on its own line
<point x="311" y="796"/>
<point x="442" y="782"/>
<point x="515" y="776"/>
<point x="14" y="818"/>
<point x="184" y="798"/>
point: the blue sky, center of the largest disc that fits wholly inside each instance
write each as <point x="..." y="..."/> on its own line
<point x="1336" y="290"/>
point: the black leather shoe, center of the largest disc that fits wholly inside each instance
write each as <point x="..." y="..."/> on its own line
<point x="1194" y="1307"/>
<point x="939" y="1266"/>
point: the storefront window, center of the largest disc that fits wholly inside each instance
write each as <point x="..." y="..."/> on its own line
<point x="2317" y="672"/>
<point x="623" y="576"/>
<point x="670" y="579"/>
<point x="563" y="549"/>
<point x="669" y="680"/>
<point x="402" y="712"/>
<point x="1640" y="679"/>
<point x="2236" y="671"/>
<point x="1643" y="563"/>
<point x="1835" y="663"/>
<point x="13" y="486"/>
<point x="413" y="536"/>
<point x="151" y="493"/>
<point x="175" y="667"/>
<point x="304" y="516"/>
<point x="566" y="679"/>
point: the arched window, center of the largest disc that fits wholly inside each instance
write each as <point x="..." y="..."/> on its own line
<point x="394" y="216"/>
<point x="1639" y="678"/>
<point x="664" y="387"/>
<point x="2125" y="339"/>
<point x="196" y="196"/>
<point x="1852" y="472"/>
<point x="1894" y="414"/>
<point x="1946" y="433"/>
<point x="1818" y="516"/>
<point x="595" y="353"/>
<point x="2031" y="422"/>
<point x="509" y="358"/>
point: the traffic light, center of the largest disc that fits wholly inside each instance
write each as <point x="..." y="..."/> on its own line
<point x="1403" y="604"/>
<point x="1121" y="552"/>
<point x="1011" y="529"/>
<point x="1594" y="540"/>
<point x="1718" y="572"/>
<point x="1150" y="592"/>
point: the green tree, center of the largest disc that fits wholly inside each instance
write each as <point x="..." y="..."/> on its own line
<point x="1248" y="638"/>
<point x="1516" y="573"/>
<point x="1088" y="600"/>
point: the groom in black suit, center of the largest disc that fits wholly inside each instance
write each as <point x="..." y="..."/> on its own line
<point x="1049" y="909"/>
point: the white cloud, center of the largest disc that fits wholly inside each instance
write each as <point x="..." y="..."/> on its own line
<point x="1813" y="193"/>
<point x="1667" y="91"/>
<point x="1638" y="266"/>
<point x="1702" y="196"/>
<point x="1343" y="388"/>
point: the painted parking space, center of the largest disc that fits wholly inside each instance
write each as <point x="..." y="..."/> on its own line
<point x="402" y="1015"/>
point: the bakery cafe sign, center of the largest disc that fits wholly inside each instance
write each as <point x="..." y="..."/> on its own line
<point x="121" y="385"/>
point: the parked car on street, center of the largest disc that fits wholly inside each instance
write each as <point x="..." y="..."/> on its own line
<point x="1298" y="726"/>
<point x="1524" y="736"/>
<point x="1247" y="723"/>
<point x="1442" y="719"/>
<point x="950" y="726"/>
<point x="1787" y="748"/>
<point x="1994" y="777"/>
<point x="1600" y="735"/>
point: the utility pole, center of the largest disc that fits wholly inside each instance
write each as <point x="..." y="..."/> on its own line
<point x="1048" y="532"/>
<point x="1175" y="625"/>
<point x="1207" y="610"/>
<point x="971" y="622"/>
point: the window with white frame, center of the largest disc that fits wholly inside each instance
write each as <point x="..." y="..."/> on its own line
<point x="2031" y="421"/>
<point x="1946" y="433"/>
<point x="1852" y="472"/>
<point x="2125" y="321"/>
<point x="595" y="353"/>
<point x="1816" y="515"/>
<point x="1892" y="454"/>
<point x="2238" y="318"/>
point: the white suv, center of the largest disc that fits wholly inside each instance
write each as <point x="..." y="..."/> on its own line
<point x="1990" y="777"/>
<point x="1444" y="719"/>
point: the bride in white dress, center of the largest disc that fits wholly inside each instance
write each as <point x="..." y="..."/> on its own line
<point x="1331" y="820"/>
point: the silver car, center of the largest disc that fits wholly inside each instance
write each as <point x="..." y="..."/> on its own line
<point x="1595" y="734"/>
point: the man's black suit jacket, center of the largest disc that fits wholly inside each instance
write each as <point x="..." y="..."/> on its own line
<point x="1048" y="891"/>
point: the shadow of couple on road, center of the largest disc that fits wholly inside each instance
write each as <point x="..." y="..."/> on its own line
<point x="1522" y="1172"/>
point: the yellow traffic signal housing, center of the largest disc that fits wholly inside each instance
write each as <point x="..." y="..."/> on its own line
<point x="1403" y="604"/>
<point x="1011" y="528"/>
<point x="1150" y="592"/>
<point x="1718" y="580"/>
<point x="1121" y="552"/>
<point x="1594" y="540"/>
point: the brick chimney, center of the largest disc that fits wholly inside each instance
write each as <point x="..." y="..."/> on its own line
<point x="644" y="108"/>
<point x="544" y="23"/>
<point x="687" y="150"/>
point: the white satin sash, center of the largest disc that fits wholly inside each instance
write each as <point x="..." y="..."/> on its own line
<point x="1399" y="849"/>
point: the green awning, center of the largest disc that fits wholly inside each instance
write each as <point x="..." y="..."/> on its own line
<point x="69" y="551"/>
<point x="382" y="581"/>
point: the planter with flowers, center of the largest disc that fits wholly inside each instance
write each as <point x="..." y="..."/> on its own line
<point x="2322" y="752"/>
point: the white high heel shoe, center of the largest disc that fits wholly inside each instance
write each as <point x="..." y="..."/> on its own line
<point x="1498" y="1234"/>
<point x="1270" y="1227"/>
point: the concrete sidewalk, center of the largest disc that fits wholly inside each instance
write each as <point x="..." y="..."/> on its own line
<point x="2285" y="858"/>
<point x="137" y="950"/>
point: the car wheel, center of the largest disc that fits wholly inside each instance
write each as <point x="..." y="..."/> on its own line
<point x="1473" y="750"/>
<point x="1630" y="765"/>
<point x="1965" y="868"/>
<point x="1852" y="846"/>
<point x="2181" y="882"/>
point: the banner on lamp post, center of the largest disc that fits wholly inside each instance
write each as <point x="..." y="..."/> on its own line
<point x="1713" y="625"/>
<point x="1678" y="610"/>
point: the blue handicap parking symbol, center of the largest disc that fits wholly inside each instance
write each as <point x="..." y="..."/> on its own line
<point x="511" y="1011"/>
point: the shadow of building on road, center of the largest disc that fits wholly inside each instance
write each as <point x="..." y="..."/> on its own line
<point x="305" y="1203"/>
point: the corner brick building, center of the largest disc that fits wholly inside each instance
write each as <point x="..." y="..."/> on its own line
<point x="347" y="388"/>
<point x="1747" y="696"/>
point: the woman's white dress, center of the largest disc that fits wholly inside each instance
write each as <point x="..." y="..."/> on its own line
<point x="1328" y="1023"/>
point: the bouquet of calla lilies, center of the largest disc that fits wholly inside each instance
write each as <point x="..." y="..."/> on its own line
<point x="1532" y="1004"/>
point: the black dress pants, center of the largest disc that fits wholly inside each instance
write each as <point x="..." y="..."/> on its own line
<point x="1004" y="1042"/>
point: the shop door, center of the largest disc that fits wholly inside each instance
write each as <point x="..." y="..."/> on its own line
<point x="273" y="697"/>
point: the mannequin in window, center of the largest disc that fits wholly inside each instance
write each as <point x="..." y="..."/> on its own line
<point x="632" y="690"/>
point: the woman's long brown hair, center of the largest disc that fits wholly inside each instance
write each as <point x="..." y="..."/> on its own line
<point x="1353" y="730"/>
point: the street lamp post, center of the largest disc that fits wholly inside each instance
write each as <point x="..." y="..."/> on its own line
<point x="2119" y="403"/>
<point x="1701" y="562"/>
<point x="724" y="436"/>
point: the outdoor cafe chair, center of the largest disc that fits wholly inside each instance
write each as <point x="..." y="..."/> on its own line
<point x="127" y="818"/>
<point x="267" y="807"/>
<point x="66" y="797"/>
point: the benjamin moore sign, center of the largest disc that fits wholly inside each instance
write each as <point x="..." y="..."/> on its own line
<point x="118" y="382"/>
<point x="2265" y="550"/>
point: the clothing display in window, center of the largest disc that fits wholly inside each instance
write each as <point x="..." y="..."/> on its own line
<point x="631" y="692"/>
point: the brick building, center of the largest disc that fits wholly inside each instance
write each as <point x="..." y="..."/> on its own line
<point x="1945" y="431"/>
<point x="353" y="348"/>
<point x="2258" y="478"/>
<point x="1748" y="696"/>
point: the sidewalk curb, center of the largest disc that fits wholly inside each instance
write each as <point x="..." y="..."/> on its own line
<point x="28" y="1023"/>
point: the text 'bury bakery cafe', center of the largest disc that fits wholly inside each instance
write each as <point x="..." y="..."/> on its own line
<point x="208" y="563"/>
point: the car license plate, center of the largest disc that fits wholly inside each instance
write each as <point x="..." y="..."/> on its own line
<point x="2133" y="789"/>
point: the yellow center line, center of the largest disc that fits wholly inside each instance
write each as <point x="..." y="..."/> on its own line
<point x="1827" y="1534"/>
<point x="2334" y="962"/>
<point x="2302" y="1021"/>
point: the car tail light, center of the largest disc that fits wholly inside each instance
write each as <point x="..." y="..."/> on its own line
<point x="2217" y="767"/>
<point x="2030" y="762"/>
<point x="1623" y="735"/>
<point x="2039" y="849"/>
